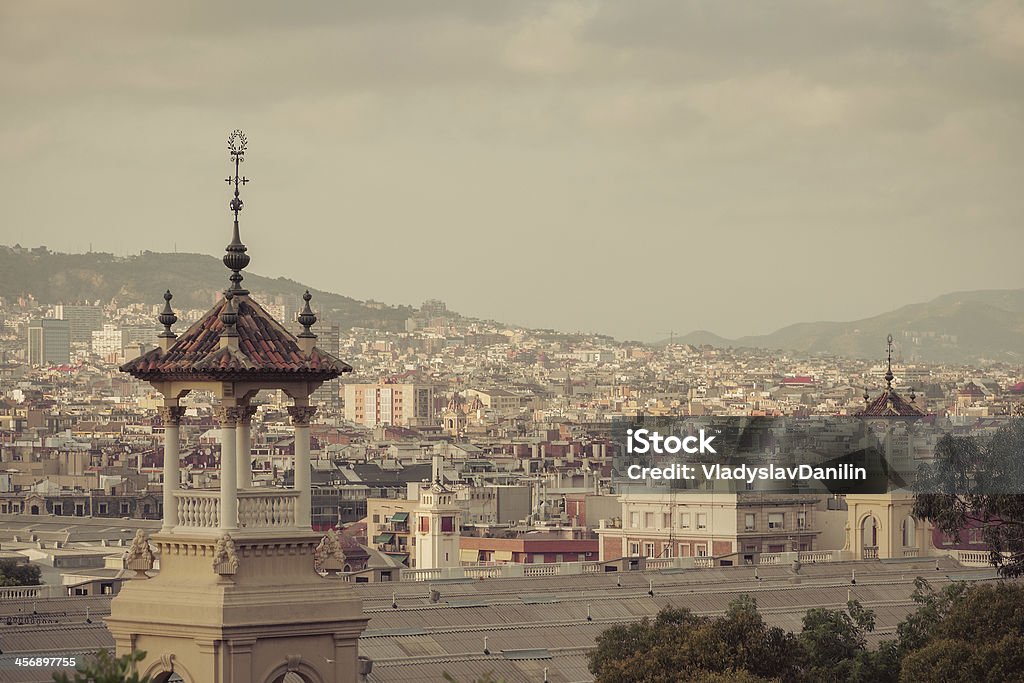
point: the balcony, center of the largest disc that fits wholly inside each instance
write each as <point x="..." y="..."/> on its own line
<point x="258" y="510"/>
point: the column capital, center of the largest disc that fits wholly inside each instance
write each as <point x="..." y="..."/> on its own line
<point x="301" y="415"/>
<point x="246" y="414"/>
<point x="171" y="415"/>
<point x="229" y="416"/>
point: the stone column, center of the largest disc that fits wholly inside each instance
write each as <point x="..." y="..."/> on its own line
<point x="301" y="415"/>
<point x="243" y="447"/>
<point x="171" y="416"/>
<point x="229" y="416"/>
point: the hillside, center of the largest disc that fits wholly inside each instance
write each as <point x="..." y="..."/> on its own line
<point x="195" y="279"/>
<point x="958" y="328"/>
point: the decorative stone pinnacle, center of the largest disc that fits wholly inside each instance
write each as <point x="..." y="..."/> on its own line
<point x="235" y="257"/>
<point x="327" y="556"/>
<point x="139" y="557"/>
<point x="167" y="317"/>
<point x="307" y="318"/>
<point x="225" y="559"/>
<point x="229" y="316"/>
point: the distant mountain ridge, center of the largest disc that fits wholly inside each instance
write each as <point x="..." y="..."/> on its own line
<point x="196" y="280"/>
<point x="953" y="328"/>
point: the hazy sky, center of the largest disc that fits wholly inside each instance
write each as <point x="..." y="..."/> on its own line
<point x="625" y="167"/>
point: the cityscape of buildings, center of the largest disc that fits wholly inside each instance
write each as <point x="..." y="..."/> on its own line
<point x="457" y="449"/>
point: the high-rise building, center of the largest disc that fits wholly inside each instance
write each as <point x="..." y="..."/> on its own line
<point x="329" y="393"/>
<point x="49" y="342"/>
<point x="84" y="320"/>
<point x="400" y="405"/>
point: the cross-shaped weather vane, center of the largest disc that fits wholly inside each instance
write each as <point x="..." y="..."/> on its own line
<point x="236" y="145"/>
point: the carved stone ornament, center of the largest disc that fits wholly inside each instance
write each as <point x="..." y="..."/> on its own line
<point x="246" y="414"/>
<point x="139" y="557"/>
<point x="171" y="415"/>
<point x="225" y="561"/>
<point x="229" y="416"/>
<point x="327" y="556"/>
<point x="301" y="415"/>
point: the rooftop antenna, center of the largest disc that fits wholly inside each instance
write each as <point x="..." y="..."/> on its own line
<point x="235" y="257"/>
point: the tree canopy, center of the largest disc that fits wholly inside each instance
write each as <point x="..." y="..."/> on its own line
<point x="962" y="632"/>
<point x="16" y="574"/>
<point x="979" y="483"/>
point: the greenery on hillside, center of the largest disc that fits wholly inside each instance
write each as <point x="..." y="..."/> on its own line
<point x="960" y="633"/>
<point x="195" y="279"/>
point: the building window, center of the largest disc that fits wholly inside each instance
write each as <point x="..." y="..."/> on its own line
<point x="801" y="520"/>
<point x="648" y="550"/>
<point x="376" y="519"/>
<point x="748" y="522"/>
<point x="702" y="550"/>
<point x="634" y="520"/>
<point x="666" y="520"/>
<point x="424" y="525"/>
<point x="648" y="520"/>
<point x="702" y="520"/>
<point x="634" y="549"/>
<point x="684" y="520"/>
<point x="447" y="524"/>
<point x="104" y="509"/>
<point x="666" y="550"/>
<point x="684" y="550"/>
<point x="776" y="520"/>
<point x="58" y="508"/>
<point x="124" y="508"/>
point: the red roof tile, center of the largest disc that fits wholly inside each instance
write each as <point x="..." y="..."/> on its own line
<point x="265" y="347"/>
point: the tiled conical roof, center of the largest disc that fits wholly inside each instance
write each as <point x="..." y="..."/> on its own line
<point x="890" y="404"/>
<point x="265" y="350"/>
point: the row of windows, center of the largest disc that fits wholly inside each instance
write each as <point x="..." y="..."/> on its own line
<point x="666" y="549"/>
<point x="663" y="520"/>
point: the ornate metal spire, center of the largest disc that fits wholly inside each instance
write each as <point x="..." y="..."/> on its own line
<point x="229" y="316"/>
<point x="867" y="396"/>
<point x="307" y="318"/>
<point x="167" y="317"/>
<point x="236" y="259"/>
<point x="888" y="360"/>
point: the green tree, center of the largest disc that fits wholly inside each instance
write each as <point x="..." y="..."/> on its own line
<point x="835" y="644"/>
<point x="965" y="634"/>
<point x="974" y="482"/>
<point x="14" y="574"/>
<point x="679" y="646"/>
<point x="103" y="667"/>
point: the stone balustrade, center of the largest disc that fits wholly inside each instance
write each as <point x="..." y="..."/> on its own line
<point x="269" y="509"/>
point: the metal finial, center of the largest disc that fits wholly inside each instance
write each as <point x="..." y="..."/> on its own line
<point x="888" y="359"/>
<point x="229" y="316"/>
<point x="167" y="317"/>
<point x="307" y="318"/>
<point x="867" y="396"/>
<point x="236" y="259"/>
<point x="913" y="396"/>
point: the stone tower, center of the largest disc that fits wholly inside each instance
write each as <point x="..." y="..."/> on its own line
<point x="438" y="524"/>
<point x="237" y="598"/>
